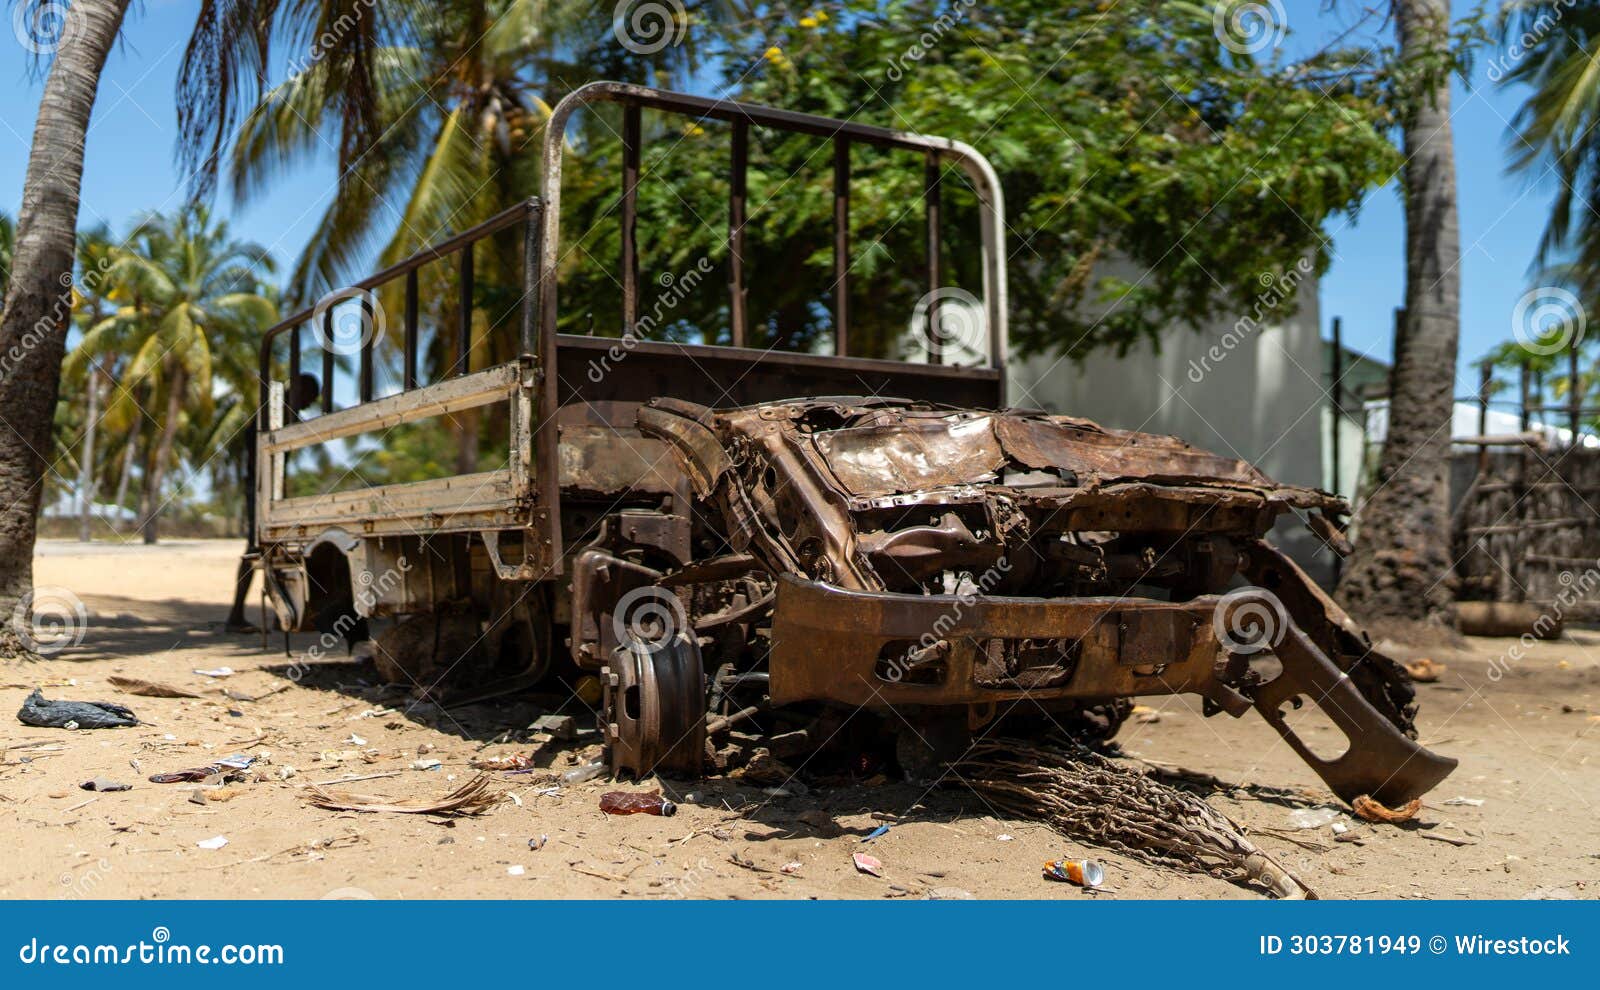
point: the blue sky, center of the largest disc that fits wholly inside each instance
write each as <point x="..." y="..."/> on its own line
<point x="130" y="169"/>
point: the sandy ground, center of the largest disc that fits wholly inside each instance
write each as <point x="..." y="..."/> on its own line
<point x="1528" y="742"/>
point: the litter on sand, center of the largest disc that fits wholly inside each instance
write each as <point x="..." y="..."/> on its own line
<point x="1313" y="817"/>
<point x="148" y="689"/>
<point x="215" y="672"/>
<point x="1468" y="802"/>
<point x="102" y="784"/>
<point x="1080" y="872"/>
<point x="868" y="864"/>
<point x="39" y="711"/>
<point x="215" y="842"/>
<point x="517" y="761"/>
<point x="1372" y="811"/>
<point x="1424" y="670"/>
<point x="195" y="775"/>
<point x="474" y="797"/>
<point x="881" y="830"/>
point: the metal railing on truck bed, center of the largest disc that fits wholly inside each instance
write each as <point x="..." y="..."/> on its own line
<point x="550" y="373"/>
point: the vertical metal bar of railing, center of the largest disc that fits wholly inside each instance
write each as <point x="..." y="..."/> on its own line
<point x="738" y="326"/>
<point x="931" y="208"/>
<point x="327" y="360"/>
<point x="464" y="307"/>
<point x="841" y="246"/>
<point x="630" y="216"/>
<point x="411" y="331"/>
<point x="368" y="333"/>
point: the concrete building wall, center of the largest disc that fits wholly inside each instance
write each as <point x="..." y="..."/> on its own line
<point x="1251" y="391"/>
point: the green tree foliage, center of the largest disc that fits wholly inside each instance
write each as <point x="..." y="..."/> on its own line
<point x="1121" y="132"/>
<point x="185" y="305"/>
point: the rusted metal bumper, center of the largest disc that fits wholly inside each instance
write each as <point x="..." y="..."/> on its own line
<point x="880" y="649"/>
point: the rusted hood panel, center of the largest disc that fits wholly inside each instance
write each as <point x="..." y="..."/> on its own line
<point x="877" y="449"/>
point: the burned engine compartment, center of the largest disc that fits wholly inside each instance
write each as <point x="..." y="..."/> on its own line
<point x="958" y="564"/>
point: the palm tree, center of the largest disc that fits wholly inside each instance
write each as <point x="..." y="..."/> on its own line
<point x="8" y="244"/>
<point x="1555" y="126"/>
<point x="33" y="318"/>
<point x="1402" y="562"/>
<point x="189" y="304"/>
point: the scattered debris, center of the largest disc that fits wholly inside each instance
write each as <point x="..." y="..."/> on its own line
<point x="215" y="842"/>
<point x="1079" y="872"/>
<point x="764" y="770"/>
<point x="221" y="770"/>
<point x="515" y="871"/>
<point x="46" y="714"/>
<point x="878" y="832"/>
<point x="426" y="764"/>
<point x="537" y="842"/>
<point x="868" y="864"/>
<point x="1454" y="840"/>
<point x="1468" y="802"/>
<point x="148" y="689"/>
<point x="1307" y="818"/>
<point x="1002" y="838"/>
<point x="1424" y="670"/>
<point x="217" y="672"/>
<point x="556" y="726"/>
<point x="474" y="797"/>
<point x="947" y="894"/>
<point x="588" y="771"/>
<point x="623" y="803"/>
<point x="790" y="868"/>
<point x="1372" y="811"/>
<point x="104" y="785"/>
<point x="516" y="762"/>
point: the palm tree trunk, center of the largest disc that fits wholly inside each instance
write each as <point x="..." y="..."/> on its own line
<point x="38" y="302"/>
<point x="86" y="469"/>
<point x="150" y="505"/>
<point x="128" y="454"/>
<point x="1401" y="568"/>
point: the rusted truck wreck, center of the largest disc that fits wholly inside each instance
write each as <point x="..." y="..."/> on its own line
<point x="720" y="552"/>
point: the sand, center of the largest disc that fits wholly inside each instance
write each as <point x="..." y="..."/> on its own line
<point x="1528" y="741"/>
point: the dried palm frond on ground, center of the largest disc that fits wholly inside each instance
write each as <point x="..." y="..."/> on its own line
<point x="472" y="798"/>
<point x="1087" y="797"/>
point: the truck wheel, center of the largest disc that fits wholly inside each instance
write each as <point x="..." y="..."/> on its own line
<point x="655" y="708"/>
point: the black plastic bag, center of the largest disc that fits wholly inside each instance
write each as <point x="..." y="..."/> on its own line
<point x="46" y="714"/>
